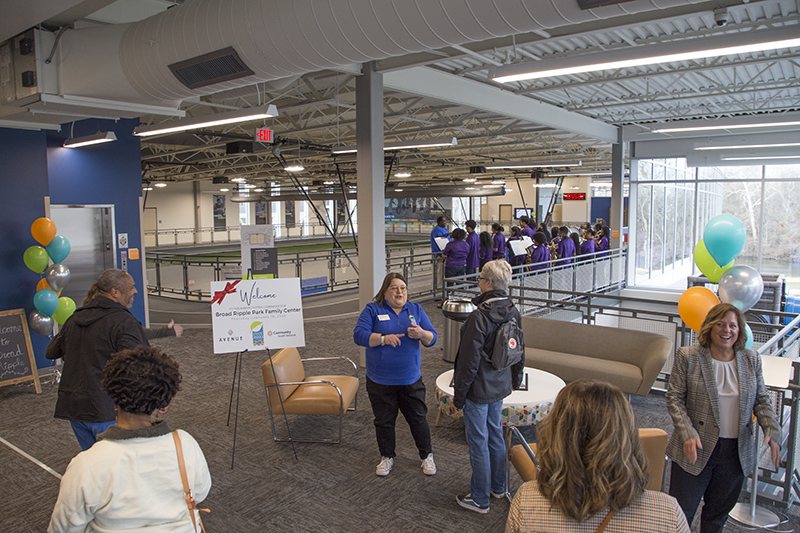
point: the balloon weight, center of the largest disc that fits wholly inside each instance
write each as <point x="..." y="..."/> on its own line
<point x="57" y="276"/>
<point x="41" y="324"/>
<point x="706" y="263"/>
<point x="58" y="249"/>
<point x="36" y="259"/>
<point x="694" y="305"/>
<point x="724" y="238"/>
<point x="46" y="302"/>
<point x="43" y="230"/>
<point x="741" y="286"/>
<point x="66" y="306"/>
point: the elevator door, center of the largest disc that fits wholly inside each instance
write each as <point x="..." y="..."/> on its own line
<point x="90" y="232"/>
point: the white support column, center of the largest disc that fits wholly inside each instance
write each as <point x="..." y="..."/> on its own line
<point x="617" y="191"/>
<point x="370" y="193"/>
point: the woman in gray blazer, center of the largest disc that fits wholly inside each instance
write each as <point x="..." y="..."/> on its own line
<point x="714" y="390"/>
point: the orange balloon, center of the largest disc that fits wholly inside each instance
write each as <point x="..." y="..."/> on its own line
<point x="694" y="305"/>
<point x="44" y="285"/>
<point x="43" y="230"/>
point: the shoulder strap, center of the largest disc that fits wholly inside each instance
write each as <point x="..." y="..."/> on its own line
<point x="609" y="516"/>
<point x="187" y="492"/>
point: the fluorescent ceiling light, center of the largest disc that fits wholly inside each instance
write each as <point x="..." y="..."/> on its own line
<point x="398" y="190"/>
<point x="758" y="157"/>
<point x="634" y="56"/>
<point x="728" y="127"/>
<point x="247" y="186"/>
<point x="329" y="182"/>
<point x="88" y="140"/>
<point x="510" y="165"/>
<point x="579" y="173"/>
<point x="147" y="188"/>
<point x="469" y="180"/>
<point x="745" y="146"/>
<point x="207" y="121"/>
<point x="224" y="190"/>
<point x="403" y="174"/>
<point x="160" y="184"/>
<point x="238" y="180"/>
<point x="258" y="190"/>
<point x="297" y="167"/>
<point x="498" y="182"/>
<point x="403" y="145"/>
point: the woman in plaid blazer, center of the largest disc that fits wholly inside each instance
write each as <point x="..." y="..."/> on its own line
<point x="714" y="390"/>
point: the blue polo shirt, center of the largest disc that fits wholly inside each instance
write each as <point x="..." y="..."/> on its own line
<point x="438" y="231"/>
<point x="388" y="365"/>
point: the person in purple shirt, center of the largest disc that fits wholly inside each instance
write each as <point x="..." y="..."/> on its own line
<point x="602" y="242"/>
<point x="540" y="253"/>
<point x="525" y="226"/>
<point x="515" y="260"/>
<point x="566" y="247"/>
<point x="498" y="242"/>
<point x="474" y="242"/>
<point x="485" y="249"/>
<point x="587" y="246"/>
<point x="455" y="253"/>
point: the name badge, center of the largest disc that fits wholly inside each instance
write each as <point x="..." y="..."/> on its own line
<point x="383" y="318"/>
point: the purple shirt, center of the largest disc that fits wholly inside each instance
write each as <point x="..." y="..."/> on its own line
<point x="587" y="247"/>
<point x="527" y="230"/>
<point x="484" y="255"/>
<point x="602" y="246"/>
<point x="515" y="260"/>
<point x="499" y="242"/>
<point x="474" y="242"/>
<point x="540" y="254"/>
<point x="566" y="249"/>
<point x="456" y="253"/>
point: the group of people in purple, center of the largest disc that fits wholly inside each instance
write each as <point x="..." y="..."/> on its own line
<point x="467" y="250"/>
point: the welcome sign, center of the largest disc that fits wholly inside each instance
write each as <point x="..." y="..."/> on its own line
<point x="256" y="315"/>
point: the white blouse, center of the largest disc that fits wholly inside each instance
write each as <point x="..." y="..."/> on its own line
<point x="727" y="376"/>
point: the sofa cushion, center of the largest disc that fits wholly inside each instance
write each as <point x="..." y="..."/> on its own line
<point x="570" y="367"/>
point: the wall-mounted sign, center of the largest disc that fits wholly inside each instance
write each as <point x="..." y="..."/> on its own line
<point x="264" y="135"/>
<point x="574" y="196"/>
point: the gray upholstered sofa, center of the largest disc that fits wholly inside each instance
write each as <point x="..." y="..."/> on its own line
<point x="629" y="359"/>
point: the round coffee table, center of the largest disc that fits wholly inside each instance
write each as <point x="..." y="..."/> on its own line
<point x="520" y="408"/>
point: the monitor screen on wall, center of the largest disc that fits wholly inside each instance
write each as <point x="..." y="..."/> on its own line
<point x="523" y="211"/>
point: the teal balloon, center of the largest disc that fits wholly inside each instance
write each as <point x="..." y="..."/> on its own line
<point x="45" y="301"/>
<point x="58" y="249"/>
<point x="35" y="258"/>
<point x="724" y="238"/>
<point x="749" y="342"/>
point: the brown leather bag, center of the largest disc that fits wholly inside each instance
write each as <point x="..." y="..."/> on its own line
<point x="187" y="492"/>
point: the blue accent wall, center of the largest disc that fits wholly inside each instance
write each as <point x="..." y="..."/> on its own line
<point x="34" y="165"/>
<point x="601" y="208"/>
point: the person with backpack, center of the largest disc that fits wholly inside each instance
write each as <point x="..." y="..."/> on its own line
<point x="485" y="373"/>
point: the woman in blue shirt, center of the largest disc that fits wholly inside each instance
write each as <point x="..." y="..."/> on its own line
<point x="392" y="328"/>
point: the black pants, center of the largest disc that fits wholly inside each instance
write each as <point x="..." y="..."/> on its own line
<point x="452" y="272"/>
<point x="386" y="400"/>
<point x="718" y="484"/>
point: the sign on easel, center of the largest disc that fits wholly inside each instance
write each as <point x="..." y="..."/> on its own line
<point x="17" y="363"/>
<point x="256" y="314"/>
<point x="259" y="255"/>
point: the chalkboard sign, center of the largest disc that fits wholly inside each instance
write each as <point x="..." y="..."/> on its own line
<point x="16" y="353"/>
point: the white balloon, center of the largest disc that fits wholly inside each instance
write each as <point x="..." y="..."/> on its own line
<point x="57" y="276"/>
<point x="41" y="324"/>
<point x="741" y="286"/>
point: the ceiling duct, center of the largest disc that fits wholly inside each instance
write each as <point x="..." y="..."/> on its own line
<point x="208" y="69"/>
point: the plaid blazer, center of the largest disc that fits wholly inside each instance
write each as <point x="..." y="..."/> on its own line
<point x="693" y="404"/>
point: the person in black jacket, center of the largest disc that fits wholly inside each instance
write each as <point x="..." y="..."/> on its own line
<point x="479" y="388"/>
<point x="89" y="337"/>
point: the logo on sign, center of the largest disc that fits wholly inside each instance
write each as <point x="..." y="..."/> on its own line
<point x="257" y="329"/>
<point x="264" y="135"/>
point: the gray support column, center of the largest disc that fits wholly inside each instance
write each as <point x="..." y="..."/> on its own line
<point x="633" y="206"/>
<point x="196" y="195"/>
<point x="617" y="191"/>
<point x="370" y="194"/>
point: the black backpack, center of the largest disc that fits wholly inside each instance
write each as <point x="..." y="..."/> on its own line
<point x="509" y="344"/>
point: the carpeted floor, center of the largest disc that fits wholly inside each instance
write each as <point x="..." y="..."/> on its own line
<point x="330" y="488"/>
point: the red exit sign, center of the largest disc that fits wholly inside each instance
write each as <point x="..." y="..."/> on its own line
<point x="574" y="196"/>
<point x="264" y="135"/>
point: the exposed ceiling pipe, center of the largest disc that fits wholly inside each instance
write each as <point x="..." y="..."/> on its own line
<point x="280" y="39"/>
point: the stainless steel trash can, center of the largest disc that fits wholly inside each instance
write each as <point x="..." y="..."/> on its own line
<point x="455" y="312"/>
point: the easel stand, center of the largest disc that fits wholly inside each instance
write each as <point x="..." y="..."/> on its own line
<point x="237" y="385"/>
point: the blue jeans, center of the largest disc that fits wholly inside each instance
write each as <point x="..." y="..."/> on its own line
<point x="487" y="449"/>
<point x="87" y="432"/>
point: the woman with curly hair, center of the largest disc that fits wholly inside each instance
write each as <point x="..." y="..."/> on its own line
<point x="130" y="479"/>
<point x="592" y="470"/>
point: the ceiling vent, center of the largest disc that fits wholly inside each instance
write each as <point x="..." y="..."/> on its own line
<point x="208" y="69"/>
<point x="591" y="4"/>
<point x="477" y="170"/>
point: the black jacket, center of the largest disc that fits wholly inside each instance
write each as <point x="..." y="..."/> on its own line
<point x="86" y="342"/>
<point x="475" y="377"/>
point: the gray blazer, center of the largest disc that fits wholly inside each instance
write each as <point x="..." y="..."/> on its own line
<point x="693" y="404"/>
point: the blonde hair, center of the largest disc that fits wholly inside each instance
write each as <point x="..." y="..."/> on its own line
<point x="716" y="314"/>
<point x="589" y="453"/>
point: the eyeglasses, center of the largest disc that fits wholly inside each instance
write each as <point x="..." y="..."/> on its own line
<point x="398" y="289"/>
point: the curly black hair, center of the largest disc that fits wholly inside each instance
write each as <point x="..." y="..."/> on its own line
<point x="141" y="380"/>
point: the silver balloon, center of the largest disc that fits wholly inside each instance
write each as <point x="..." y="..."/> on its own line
<point x="41" y="324"/>
<point x="741" y="286"/>
<point x="57" y="276"/>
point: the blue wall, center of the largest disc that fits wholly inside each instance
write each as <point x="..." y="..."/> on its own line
<point x="601" y="208"/>
<point x="35" y="165"/>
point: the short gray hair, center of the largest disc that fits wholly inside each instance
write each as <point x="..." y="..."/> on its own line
<point x="112" y="278"/>
<point x="499" y="273"/>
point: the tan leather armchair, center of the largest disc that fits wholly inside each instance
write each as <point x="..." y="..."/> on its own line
<point x="654" y="442"/>
<point x="307" y="395"/>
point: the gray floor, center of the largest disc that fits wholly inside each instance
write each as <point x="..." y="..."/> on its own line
<point x="328" y="488"/>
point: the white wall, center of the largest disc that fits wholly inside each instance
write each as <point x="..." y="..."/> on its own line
<point x="577" y="210"/>
<point x="175" y="205"/>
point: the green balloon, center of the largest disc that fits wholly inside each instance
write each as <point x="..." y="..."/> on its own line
<point x="66" y="306"/>
<point x="36" y="259"/>
<point x="707" y="265"/>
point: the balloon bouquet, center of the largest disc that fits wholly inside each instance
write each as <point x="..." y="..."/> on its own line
<point x="56" y="276"/>
<point x="740" y="285"/>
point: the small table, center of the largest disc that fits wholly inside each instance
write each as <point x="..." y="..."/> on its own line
<point x="520" y="408"/>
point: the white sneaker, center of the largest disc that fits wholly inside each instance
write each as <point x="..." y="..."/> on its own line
<point x="385" y="466"/>
<point x="428" y="466"/>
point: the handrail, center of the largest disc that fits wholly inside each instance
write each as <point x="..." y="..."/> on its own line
<point x="767" y="346"/>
